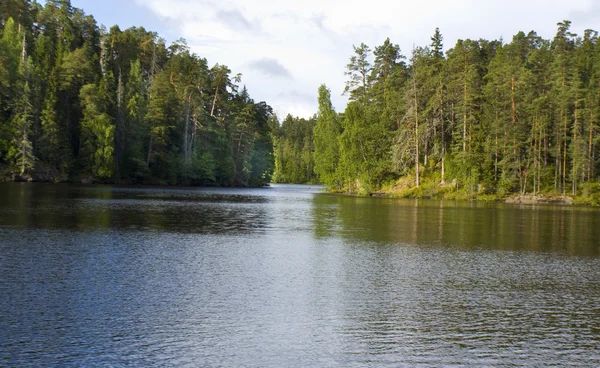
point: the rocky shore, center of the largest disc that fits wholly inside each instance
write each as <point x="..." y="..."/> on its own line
<point x="540" y="199"/>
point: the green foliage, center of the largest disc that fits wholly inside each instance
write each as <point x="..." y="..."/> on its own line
<point x="79" y="100"/>
<point x="326" y="141"/>
<point x="483" y="120"/>
<point x="261" y="162"/>
<point x="359" y="70"/>
<point x="294" y="151"/>
<point x="364" y="149"/>
<point x="53" y="142"/>
<point x="21" y="150"/>
<point x="201" y="168"/>
<point x="136" y="129"/>
<point x="120" y="105"/>
<point x="98" y="133"/>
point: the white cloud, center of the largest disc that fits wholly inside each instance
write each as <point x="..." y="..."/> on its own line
<point x="312" y="39"/>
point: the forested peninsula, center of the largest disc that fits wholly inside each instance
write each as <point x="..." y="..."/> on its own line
<point x="81" y="103"/>
<point x="485" y="119"/>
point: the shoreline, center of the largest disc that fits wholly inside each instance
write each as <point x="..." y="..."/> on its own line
<point x="50" y="176"/>
<point x="513" y="198"/>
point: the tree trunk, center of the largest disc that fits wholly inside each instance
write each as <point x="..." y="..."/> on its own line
<point x="465" y="106"/>
<point x="539" y="168"/>
<point x="416" y="133"/>
<point x="452" y="124"/>
<point x="574" y="163"/>
<point x="590" y="146"/>
<point x="149" y="151"/>
<point x="465" y="119"/>
<point x="120" y="136"/>
<point x="557" y="160"/>
<point x="513" y="101"/>
<point x="496" y="149"/>
<point x="564" y="174"/>
<point x="535" y="154"/>
<point x="186" y="131"/>
<point x="443" y="133"/>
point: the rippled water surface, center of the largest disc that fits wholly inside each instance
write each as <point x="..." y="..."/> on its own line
<point x="290" y="277"/>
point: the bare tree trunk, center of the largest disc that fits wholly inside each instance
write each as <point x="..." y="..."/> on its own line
<point x="590" y="146"/>
<point x="535" y="154"/>
<point x="496" y="161"/>
<point x="564" y="173"/>
<point x="364" y="80"/>
<point x="443" y="135"/>
<point x="120" y="136"/>
<point x="543" y="136"/>
<point x="452" y="123"/>
<point x="516" y="152"/>
<point x="513" y="100"/>
<point x="212" y="110"/>
<point x="186" y="131"/>
<point x="465" y="107"/>
<point x="416" y="133"/>
<point x="194" y="131"/>
<point x="557" y="165"/>
<point x="24" y="49"/>
<point x="574" y="163"/>
<point x="465" y="119"/>
<point x="149" y="151"/>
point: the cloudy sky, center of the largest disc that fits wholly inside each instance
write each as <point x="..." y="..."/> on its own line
<point x="286" y="49"/>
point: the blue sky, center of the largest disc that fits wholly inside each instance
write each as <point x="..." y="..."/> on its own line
<point x="125" y="13"/>
<point x="285" y="49"/>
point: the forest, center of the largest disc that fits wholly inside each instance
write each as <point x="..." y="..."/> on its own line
<point x="81" y="103"/>
<point x="484" y="118"/>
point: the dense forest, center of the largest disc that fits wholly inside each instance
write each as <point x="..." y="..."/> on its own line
<point x="82" y="103"/>
<point x="294" y="151"/>
<point x="79" y="102"/>
<point x="483" y="118"/>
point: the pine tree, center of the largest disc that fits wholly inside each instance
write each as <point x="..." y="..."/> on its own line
<point x="387" y="60"/>
<point x="358" y="71"/>
<point x="563" y="77"/>
<point x="22" y="149"/>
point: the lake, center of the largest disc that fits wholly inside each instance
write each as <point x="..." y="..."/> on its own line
<point x="288" y="276"/>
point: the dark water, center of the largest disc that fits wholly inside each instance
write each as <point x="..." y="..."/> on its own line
<point x="289" y="277"/>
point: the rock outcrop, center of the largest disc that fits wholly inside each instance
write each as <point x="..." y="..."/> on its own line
<point x="540" y="199"/>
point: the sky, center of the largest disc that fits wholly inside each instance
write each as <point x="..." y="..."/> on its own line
<point x="286" y="49"/>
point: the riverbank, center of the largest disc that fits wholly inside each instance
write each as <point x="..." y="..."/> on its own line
<point x="44" y="174"/>
<point x="588" y="194"/>
<point x="40" y="175"/>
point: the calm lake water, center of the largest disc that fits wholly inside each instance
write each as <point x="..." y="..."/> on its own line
<point x="290" y="277"/>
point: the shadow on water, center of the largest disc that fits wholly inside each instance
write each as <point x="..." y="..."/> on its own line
<point x="188" y="210"/>
<point x="463" y="225"/>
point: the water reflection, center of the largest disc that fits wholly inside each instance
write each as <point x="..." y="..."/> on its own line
<point x="84" y="208"/>
<point x="288" y="276"/>
<point x="463" y="225"/>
